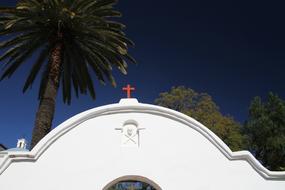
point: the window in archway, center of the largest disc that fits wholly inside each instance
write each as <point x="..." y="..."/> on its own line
<point x="131" y="185"/>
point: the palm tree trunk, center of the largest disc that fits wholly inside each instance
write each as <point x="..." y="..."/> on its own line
<point x="46" y="109"/>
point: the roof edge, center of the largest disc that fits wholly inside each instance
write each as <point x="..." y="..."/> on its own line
<point x="135" y="107"/>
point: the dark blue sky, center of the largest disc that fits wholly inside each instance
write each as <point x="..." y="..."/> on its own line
<point x="233" y="50"/>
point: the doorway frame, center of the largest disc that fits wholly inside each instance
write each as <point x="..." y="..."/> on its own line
<point x="132" y="178"/>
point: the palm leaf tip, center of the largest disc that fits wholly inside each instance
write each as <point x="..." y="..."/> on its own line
<point x="113" y="81"/>
<point x="102" y="82"/>
<point x="123" y="70"/>
<point x="2" y="77"/>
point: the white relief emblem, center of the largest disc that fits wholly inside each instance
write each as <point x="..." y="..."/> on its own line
<point x="130" y="131"/>
<point x="130" y="134"/>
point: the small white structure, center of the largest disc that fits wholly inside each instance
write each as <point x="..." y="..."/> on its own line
<point x="22" y="143"/>
<point x="133" y="141"/>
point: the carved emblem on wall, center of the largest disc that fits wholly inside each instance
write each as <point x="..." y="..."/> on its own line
<point x="130" y="134"/>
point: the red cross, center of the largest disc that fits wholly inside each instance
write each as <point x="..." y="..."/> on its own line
<point x="128" y="88"/>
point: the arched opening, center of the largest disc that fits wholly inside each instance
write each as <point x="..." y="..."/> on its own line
<point x="132" y="183"/>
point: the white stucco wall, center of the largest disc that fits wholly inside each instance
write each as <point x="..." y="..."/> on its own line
<point x="175" y="152"/>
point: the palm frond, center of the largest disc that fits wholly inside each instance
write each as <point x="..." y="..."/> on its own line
<point x="17" y="40"/>
<point x="93" y="42"/>
<point x="106" y="3"/>
<point x="36" y="68"/>
<point x="66" y="79"/>
<point x="21" y="57"/>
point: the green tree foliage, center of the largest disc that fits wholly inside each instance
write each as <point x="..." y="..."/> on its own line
<point x="201" y="107"/>
<point x="265" y="131"/>
<point x="72" y="39"/>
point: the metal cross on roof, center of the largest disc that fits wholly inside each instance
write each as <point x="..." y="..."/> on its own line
<point x="128" y="89"/>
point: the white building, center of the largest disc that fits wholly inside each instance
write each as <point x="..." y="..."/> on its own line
<point x="132" y="141"/>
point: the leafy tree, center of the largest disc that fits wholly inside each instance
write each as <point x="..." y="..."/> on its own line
<point x="201" y="107"/>
<point x="71" y="39"/>
<point x="265" y="131"/>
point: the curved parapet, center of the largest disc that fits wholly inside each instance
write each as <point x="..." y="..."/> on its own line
<point x="155" y="124"/>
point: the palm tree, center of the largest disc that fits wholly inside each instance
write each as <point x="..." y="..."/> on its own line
<point x="71" y="39"/>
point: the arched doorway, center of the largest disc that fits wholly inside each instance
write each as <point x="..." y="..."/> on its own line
<point x="132" y="183"/>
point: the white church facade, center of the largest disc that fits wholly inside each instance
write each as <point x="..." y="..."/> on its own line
<point x="133" y="141"/>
